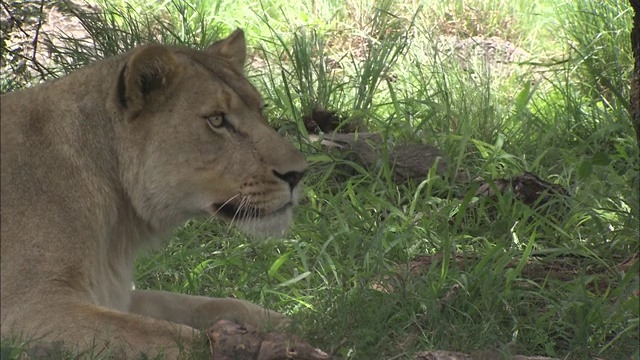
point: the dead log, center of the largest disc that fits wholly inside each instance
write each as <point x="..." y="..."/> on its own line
<point x="452" y="355"/>
<point x="409" y="162"/>
<point x="229" y="340"/>
<point x="526" y="187"/>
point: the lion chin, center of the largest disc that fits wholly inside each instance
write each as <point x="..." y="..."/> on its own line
<point x="270" y="225"/>
<point x="256" y="223"/>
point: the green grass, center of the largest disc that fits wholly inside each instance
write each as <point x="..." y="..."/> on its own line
<point x="561" y="112"/>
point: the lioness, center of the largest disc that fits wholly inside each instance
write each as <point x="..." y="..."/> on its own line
<point x="108" y="160"/>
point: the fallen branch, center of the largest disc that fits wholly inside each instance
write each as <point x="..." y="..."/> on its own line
<point x="407" y="161"/>
<point x="229" y="340"/>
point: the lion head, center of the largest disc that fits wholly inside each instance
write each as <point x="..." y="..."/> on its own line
<point x="195" y="142"/>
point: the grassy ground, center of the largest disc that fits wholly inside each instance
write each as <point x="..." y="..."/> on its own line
<point x="497" y="281"/>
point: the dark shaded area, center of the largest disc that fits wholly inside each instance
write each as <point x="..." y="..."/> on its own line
<point x="539" y="269"/>
<point x="635" y="79"/>
<point x="327" y="121"/>
<point x="546" y="199"/>
<point x="526" y="187"/>
<point x="321" y="121"/>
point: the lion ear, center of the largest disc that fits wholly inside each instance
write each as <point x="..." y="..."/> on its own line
<point x="233" y="49"/>
<point x="149" y="70"/>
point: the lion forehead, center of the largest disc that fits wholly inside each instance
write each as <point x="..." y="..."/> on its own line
<point x="217" y="70"/>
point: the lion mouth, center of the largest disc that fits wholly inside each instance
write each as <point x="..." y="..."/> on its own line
<point x="246" y="212"/>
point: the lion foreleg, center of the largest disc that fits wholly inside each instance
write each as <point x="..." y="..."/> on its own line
<point x="90" y="330"/>
<point x="200" y="311"/>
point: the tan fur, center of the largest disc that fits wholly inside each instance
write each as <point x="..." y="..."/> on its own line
<point x="106" y="161"/>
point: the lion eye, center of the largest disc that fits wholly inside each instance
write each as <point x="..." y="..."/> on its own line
<point x="216" y="121"/>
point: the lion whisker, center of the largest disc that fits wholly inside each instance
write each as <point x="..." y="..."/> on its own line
<point x="238" y="212"/>
<point x="209" y="205"/>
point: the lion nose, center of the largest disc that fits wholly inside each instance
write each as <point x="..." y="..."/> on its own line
<point x="291" y="177"/>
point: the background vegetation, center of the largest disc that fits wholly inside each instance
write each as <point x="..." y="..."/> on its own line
<point x="501" y="86"/>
